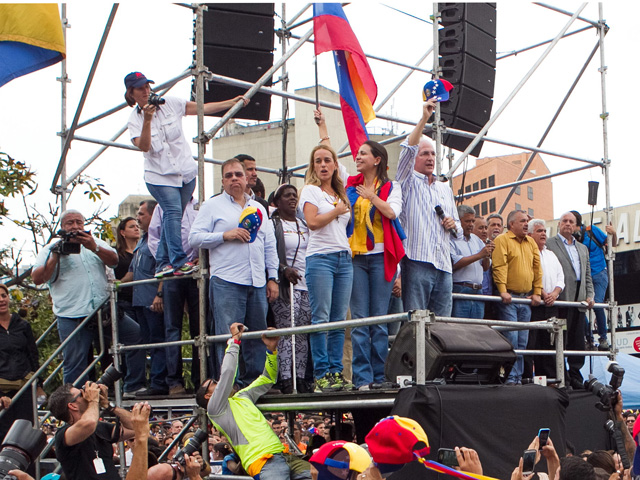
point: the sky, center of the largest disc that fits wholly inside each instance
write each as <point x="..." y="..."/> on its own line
<point x="156" y="38"/>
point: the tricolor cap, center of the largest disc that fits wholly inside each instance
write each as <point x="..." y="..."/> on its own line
<point x="251" y="219"/>
<point x="395" y="441"/>
<point x="136" y="79"/>
<point x="636" y="457"/>
<point x="438" y="88"/>
<point x="51" y="476"/>
<point x="336" y="460"/>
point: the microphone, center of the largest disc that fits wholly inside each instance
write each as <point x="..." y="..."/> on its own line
<point x="440" y="214"/>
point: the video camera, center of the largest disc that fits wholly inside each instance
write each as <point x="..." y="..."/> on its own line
<point x="65" y="246"/>
<point x="155" y="99"/>
<point x="608" y="394"/>
<point x="193" y="445"/>
<point x="20" y="447"/>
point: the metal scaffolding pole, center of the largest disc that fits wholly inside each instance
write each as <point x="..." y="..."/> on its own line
<point x="602" y="31"/>
<point x="202" y="141"/>
<point x="437" y="122"/>
<point x="511" y="96"/>
<point x="63" y="79"/>
<point x="83" y="98"/>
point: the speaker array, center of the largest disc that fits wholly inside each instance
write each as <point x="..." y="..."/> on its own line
<point x="238" y="43"/>
<point x="467" y="45"/>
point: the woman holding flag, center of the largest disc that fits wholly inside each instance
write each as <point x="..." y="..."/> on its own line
<point x="375" y="238"/>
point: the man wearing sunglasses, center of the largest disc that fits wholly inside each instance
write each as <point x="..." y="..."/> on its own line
<point x="241" y="246"/>
<point x="84" y="445"/>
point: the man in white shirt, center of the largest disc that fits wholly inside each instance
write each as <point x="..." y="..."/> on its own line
<point x="470" y="257"/>
<point x="426" y="268"/>
<point x="552" y="286"/>
<point x="238" y="290"/>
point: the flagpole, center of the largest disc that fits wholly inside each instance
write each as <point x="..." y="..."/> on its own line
<point x="315" y="63"/>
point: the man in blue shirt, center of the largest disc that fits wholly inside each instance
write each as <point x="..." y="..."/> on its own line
<point x="78" y="285"/>
<point x="238" y="288"/>
<point x="470" y="257"/>
<point x="596" y="241"/>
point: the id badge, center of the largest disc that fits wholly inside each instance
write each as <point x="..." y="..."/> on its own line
<point x="98" y="464"/>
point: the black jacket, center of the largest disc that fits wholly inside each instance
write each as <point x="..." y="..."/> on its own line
<point x="18" y="351"/>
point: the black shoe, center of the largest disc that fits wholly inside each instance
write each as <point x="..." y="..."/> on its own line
<point x="286" y="386"/>
<point x="152" y="392"/>
<point x="303" y="386"/>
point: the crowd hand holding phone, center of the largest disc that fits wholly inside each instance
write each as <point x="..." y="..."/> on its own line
<point x="468" y="460"/>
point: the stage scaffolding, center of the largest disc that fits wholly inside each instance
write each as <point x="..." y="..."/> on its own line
<point x="201" y="75"/>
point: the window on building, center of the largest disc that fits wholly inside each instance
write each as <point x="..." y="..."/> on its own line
<point x="483" y="183"/>
<point x="530" y="193"/>
<point x="484" y="209"/>
<point x="475" y="186"/>
<point x="518" y="206"/>
<point x="492" y="205"/>
<point x="492" y="180"/>
<point x="477" y="209"/>
<point x="530" y="210"/>
<point x="518" y="190"/>
<point x="467" y="189"/>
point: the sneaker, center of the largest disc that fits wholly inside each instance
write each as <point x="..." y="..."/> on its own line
<point x="177" y="390"/>
<point x="165" y="272"/>
<point x="338" y="382"/>
<point x="323" y="384"/>
<point x="186" y="269"/>
<point x="152" y="392"/>
<point x="364" y="388"/>
<point x="603" y="344"/>
<point x="132" y="395"/>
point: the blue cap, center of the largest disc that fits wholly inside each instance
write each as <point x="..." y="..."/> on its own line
<point x="136" y="79"/>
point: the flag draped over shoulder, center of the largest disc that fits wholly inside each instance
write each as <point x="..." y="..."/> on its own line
<point x="30" y="39"/>
<point x="358" y="89"/>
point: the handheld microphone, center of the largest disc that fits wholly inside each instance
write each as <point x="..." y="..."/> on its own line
<point x="440" y="214"/>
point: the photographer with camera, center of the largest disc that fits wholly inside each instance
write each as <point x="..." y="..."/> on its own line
<point x="78" y="285"/>
<point x="155" y="126"/>
<point x="84" y="445"/>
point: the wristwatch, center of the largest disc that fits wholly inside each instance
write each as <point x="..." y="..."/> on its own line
<point x="277" y="280"/>
<point x="110" y="409"/>
<point x="159" y="294"/>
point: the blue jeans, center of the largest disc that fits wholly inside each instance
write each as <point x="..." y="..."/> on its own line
<point x="77" y="351"/>
<point x="600" y="284"/>
<point x="424" y="286"/>
<point x="247" y="305"/>
<point x="518" y="338"/>
<point x="467" y="308"/>
<point x="329" y="280"/>
<point x="173" y="201"/>
<point x="176" y="293"/>
<point x="277" y="468"/>
<point x="369" y="298"/>
<point x="152" y="331"/>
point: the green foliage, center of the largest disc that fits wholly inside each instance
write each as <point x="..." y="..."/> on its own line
<point x="15" y="178"/>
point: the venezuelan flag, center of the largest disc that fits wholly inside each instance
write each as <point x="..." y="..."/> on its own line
<point x="30" y="38"/>
<point x="358" y="89"/>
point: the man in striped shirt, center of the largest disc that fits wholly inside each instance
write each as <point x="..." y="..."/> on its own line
<point x="426" y="268"/>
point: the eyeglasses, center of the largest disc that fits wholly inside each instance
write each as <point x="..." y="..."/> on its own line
<point x="76" y="397"/>
<point x="232" y="174"/>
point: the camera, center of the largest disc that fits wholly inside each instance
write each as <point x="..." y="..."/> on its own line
<point x="109" y="377"/>
<point x="155" y="99"/>
<point x="579" y="235"/>
<point x="193" y="445"/>
<point x="65" y="246"/>
<point x="608" y="394"/>
<point x="20" y="447"/>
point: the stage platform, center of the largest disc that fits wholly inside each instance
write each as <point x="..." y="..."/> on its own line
<point x="498" y="421"/>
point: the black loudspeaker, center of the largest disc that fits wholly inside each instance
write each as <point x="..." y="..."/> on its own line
<point x="469" y="354"/>
<point x="238" y="43"/>
<point x="467" y="45"/>
<point x="593" y="193"/>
